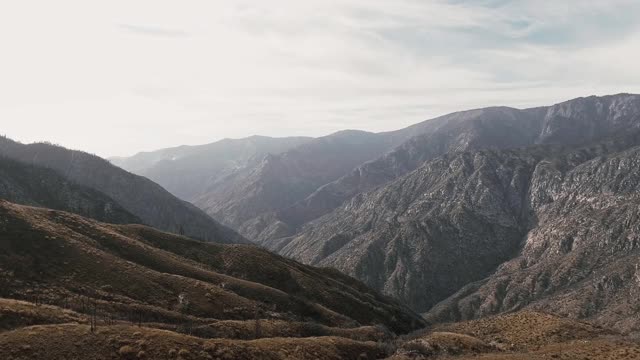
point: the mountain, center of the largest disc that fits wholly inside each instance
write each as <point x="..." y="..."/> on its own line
<point x="246" y="199"/>
<point x="188" y="171"/>
<point x="37" y="186"/>
<point x="141" y="197"/>
<point x="278" y="191"/>
<point x="582" y="257"/>
<point x="74" y="288"/>
<point x="459" y="217"/>
<point x="571" y="122"/>
<point x="167" y="280"/>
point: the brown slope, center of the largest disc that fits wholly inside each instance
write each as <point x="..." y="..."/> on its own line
<point x="524" y="335"/>
<point x="64" y="258"/>
<point x="69" y="341"/>
<point x="139" y="196"/>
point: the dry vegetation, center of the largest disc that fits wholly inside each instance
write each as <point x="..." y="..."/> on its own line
<point x="72" y="341"/>
<point x="73" y="288"/>
<point x="523" y="335"/>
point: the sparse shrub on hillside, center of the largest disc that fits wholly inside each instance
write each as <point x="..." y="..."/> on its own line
<point x="127" y="352"/>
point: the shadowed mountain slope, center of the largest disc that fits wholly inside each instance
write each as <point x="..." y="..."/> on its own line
<point x="138" y="195"/>
<point x="37" y="186"/>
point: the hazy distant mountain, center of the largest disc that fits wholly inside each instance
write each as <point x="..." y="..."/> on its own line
<point x="137" y="195"/>
<point x="246" y="199"/>
<point x="37" y="186"/>
<point x="188" y="171"/>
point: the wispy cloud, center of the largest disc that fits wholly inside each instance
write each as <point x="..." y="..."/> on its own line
<point x="153" y="31"/>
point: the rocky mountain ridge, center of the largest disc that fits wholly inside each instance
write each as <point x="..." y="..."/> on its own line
<point x="461" y="216"/>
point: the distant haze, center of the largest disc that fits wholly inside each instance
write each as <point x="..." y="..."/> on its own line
<point x="118" y="77"/>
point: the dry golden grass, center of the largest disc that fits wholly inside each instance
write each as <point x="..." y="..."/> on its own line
<point x="138" y="274"/>
<point x="597" y="349"/>
<point x="15" y="314"/>
<point x="246" y="329"/>
<point x="525" y="335"/>
<point x="525" y="329"/>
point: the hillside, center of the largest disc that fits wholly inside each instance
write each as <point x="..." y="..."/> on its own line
<point x="580" y="259"/>
<point x="245" y="199"/>
<point x="162" y="280"/>
<point x="63" y="334"/>
<point x="572" y="122"/>
<point x="524" y="335"/>
<point x="37" y="186"/>
<point x="461" y="216"/>
<point x="152" y="204"/>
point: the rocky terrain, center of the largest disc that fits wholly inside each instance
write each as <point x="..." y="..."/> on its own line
<point x="141" y="197"/>
<point x="275" y="196"/>
<point x="571" y="122"/>
<point x="563" y="221"/>
<point x="582" y="255"/>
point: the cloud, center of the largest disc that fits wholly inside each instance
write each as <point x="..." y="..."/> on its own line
<point x="153" y="31"/>
<point x="287" y="67"/>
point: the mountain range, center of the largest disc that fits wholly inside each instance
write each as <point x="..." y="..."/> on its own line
<point x="502" y="231"/>
<point x="439" y="214"/>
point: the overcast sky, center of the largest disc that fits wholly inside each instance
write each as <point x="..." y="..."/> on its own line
<point x="121" y="76"/>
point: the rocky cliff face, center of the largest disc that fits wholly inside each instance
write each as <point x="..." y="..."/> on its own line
<point x="424" y="236"/>
<point x="141" y="197"/>
<point x="459" y="217"/>
<point x="581" y="257"/>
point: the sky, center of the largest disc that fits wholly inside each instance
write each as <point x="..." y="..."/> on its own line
<point x="121" y="76"/>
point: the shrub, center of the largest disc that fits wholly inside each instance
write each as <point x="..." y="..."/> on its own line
<point x="127" y="352"/>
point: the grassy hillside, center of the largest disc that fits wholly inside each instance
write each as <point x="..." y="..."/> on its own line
<point x="525" y="335"/>
<point x="135" y="273"/>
